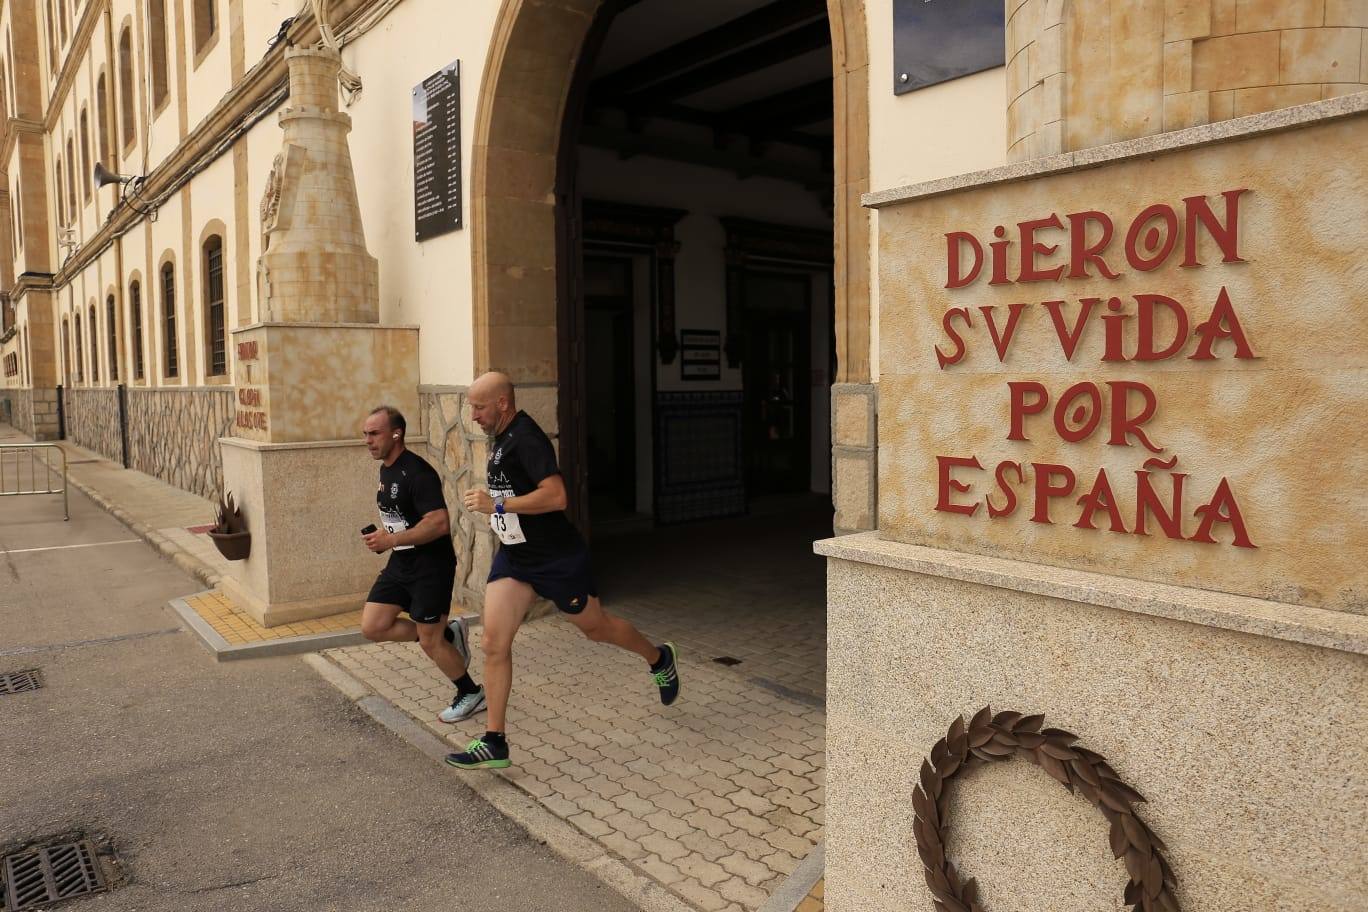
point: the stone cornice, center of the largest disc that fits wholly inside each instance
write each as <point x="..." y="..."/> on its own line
<point x="13" y="127"/>
<point x="1253" y="125"/>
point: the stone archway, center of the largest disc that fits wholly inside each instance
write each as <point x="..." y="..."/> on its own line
<point x="528" y="77"/>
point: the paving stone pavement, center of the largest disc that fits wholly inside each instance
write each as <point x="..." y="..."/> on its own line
<point x="747" y="588"/>
<point x="717" y="797"/>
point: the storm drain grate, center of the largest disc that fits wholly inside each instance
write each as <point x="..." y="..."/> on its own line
<point x="13" y="682"/>
<point x="46" y="874"/>
<point x="727" y="660"/>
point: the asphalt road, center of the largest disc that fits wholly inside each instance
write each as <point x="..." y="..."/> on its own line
<point x="244" y="785"/>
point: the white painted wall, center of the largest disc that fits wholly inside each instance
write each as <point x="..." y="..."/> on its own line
<point x="952" y="128"/>
<point x="428" y="283"/>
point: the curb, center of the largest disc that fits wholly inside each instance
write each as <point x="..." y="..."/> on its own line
<point x="558" y="835"/>
<point x="799" y="884"/>
<point x="224" y="651"/>
<point x="168" y="550"/>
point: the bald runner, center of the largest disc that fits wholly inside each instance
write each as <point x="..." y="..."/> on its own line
<point x="540" y="554"/>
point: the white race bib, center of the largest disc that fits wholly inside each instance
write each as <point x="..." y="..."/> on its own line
<point x="507" y="527"/>
<point x="395" y="523"/>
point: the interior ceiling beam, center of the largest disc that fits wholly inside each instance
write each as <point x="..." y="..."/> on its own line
<point x="727" y="38"/>
<point x="743" y="165"/>
<point x="794" y="108"/>
<point x="695" y="117"/>
<point x="795" y="43"/>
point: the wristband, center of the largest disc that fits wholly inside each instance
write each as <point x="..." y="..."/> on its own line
<point x="499" y="505"/>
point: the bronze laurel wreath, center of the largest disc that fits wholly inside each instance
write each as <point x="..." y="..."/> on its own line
<point x="989" y="738"/>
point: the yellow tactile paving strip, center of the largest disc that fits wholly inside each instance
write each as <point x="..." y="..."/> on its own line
<point x="815" y="901"/>
<point x="240" y="629"/>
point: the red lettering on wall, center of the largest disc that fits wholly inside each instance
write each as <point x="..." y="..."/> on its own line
<point x="1081" y="253"/>
<point x="1030" y="248"/>
<point x="1004" y="339"/>
<point x="946" y="464"/>
<point x="1046" y="490"/>
<point x="953" y="277"/>
<point x="1198" y="210"/>
<point x="958" y="354"/>
<point x="1020" y="407"/>
<point x="1222" y="324"/>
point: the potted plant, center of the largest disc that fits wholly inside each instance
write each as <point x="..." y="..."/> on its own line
<point x="230" y="533"/>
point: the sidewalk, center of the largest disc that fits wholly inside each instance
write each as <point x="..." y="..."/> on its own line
<point x="162" y="515"/>
<point x="719" y="797"/>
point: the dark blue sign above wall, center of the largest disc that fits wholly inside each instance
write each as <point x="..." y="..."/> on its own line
<point x="938" y="40"/>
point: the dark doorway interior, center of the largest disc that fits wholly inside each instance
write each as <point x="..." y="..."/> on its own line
<point x="609" y="369"/>
<point x="777" y="367"/>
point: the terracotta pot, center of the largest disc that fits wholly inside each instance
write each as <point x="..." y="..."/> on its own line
<point x="234" y="546"/>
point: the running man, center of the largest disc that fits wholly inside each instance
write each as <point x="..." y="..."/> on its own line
<point x="541" y="554"/>
<point x="422" y="567"/>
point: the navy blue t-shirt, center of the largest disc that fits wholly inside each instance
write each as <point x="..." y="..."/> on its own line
<point x="523" y="457"/>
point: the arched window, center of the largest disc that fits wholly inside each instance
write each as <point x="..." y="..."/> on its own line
<point x="86" y="178"/>
<point x="126" y="115"/>
<point x="213" y="306"/>
<point x="13" y="90"/>
<point x="135" y="305"/>
<point x="168" y="289"/>
<point x="94" y="347"/>
<point x="102" y="121"/>
<point x="28" y="361"/>
<point x="80" y="352"/>
<point x="66" y="350"/>
<point x="71" y="179"/>
<point x="206" y="22"/>
<point x="18" y="218"/>
<point x="52" y="41"/>
<point x="59" y="192"/>
<point x="156" y="48"/>
<point x="112" y="330"/>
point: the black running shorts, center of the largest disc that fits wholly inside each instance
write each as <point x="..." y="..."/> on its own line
<point x="568" y="581"/>
<point x="426" y="598"/>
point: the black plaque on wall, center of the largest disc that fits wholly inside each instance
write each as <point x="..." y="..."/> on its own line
<point x="939" y="40"/>
<point x="437" y="153"/>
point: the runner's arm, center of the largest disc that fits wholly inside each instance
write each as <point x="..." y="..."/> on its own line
<point x="548" y="498"/>
<point x="431" y="527"/>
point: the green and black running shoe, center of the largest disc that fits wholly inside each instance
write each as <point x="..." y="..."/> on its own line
<point x="665" y="673"/>
<point x="480" y="754"/>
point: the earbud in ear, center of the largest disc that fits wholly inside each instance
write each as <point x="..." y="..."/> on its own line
<point x="395" y="436"/>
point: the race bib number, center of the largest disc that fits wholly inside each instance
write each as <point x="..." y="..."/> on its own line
<point x="395" y="523"/>
<point x="507" y="527"/>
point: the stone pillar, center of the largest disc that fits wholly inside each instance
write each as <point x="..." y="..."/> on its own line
<point x="308" y="374"/>
<point x="854" y="456"/>
<point x="315" y="266"/>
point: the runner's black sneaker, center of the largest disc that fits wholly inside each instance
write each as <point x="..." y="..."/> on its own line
<point x="665" y="673"/>
<point x="480" y="754"/>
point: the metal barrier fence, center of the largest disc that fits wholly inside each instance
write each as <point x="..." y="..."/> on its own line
<point x="15" y="456"/>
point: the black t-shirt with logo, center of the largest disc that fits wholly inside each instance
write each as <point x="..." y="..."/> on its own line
<point x="409" y="490"/>
<point x="523" y="457"/>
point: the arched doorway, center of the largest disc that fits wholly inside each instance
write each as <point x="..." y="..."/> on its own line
<point x="520" y="119"/>
<point x="561" y="252"/>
